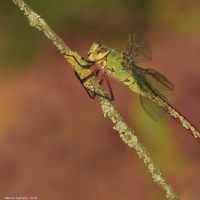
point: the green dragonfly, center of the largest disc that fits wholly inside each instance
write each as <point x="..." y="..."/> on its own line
<point x="148" y="83"/>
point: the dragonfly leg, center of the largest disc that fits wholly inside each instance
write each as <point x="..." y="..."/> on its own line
<point x="105" y="77"/>
<point x="93" y="73"/>
<point x="87" y="66"/>
<point x="92" y="94"/>
<point x="109" y="87"/>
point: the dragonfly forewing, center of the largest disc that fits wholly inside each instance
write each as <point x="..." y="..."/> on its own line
<point x="138" y="50"/>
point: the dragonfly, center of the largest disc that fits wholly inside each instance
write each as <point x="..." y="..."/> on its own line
<point x="148" y="83"/>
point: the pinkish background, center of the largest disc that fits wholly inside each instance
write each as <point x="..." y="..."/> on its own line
<point x="55" y="142"/>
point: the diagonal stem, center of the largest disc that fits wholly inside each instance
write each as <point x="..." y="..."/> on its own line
<point x="127" y="134"/>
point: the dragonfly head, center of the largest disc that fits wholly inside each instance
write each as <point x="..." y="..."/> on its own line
<point x="98" y="52"/>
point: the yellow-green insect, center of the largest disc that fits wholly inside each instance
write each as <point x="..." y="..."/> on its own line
<point x="148" y="83"/>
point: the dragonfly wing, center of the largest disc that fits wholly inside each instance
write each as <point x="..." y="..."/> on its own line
<point x="157" y="80"/>
<point x="152" y="109"/>
<point x="138" y="49"/>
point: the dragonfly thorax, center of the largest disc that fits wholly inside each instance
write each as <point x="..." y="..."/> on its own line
<point x="98" y="52"/>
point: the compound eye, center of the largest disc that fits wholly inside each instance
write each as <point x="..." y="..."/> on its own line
<point x="101" y="52"/>
<point x="98" y="52"/>
<point x="92" y="51"/>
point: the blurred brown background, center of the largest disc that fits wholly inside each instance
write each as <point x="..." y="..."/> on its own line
<point x="55" y="142"/>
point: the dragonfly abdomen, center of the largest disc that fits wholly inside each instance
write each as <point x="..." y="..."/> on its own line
<point x="177" y="116"/>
